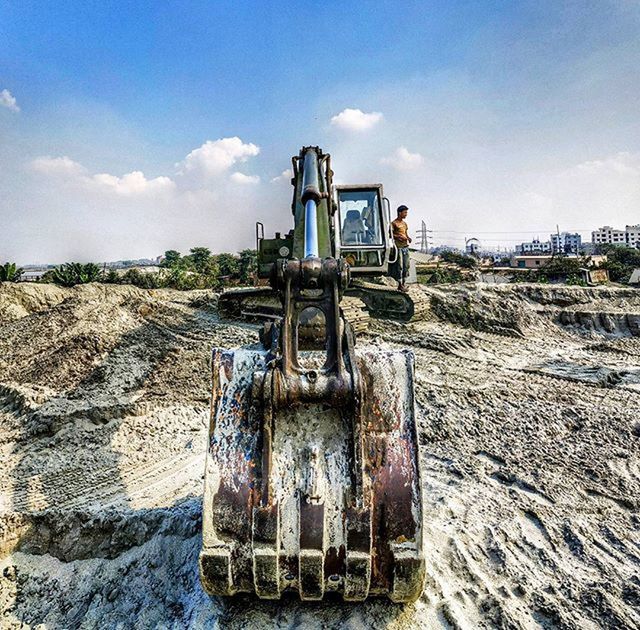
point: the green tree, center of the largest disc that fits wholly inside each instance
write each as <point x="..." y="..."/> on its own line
<point x="248" y="266"/>
<point x="171" y="258"/>
<point x="228" y="265"/>
<point x="621" y="261"/>
<point x="201" y="258"/>
<point x="141" y="279"/>
<point x="9" y="272"/>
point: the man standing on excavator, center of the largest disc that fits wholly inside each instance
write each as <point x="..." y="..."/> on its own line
<point x="400" y="269"/>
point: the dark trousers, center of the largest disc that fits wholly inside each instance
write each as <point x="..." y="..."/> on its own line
<point x="400" y="269"/>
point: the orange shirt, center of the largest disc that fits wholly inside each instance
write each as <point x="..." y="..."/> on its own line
<point x="400" y="232"/>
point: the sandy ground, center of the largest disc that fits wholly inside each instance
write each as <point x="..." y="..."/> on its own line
<point x="530" y="432"/>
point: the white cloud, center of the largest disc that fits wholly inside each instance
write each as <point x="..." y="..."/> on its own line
<point x="85" y="213"/>
<point x="602" y="191"/>
<point x="9" y="101"/>
<point x="241" y="178"/>
<point x="59" y="166"/>
<point x="212" y="158"/>
<point x="215" y="157"/>
<point x="356" y="120"/>
<point x="403" y="160"/>
<point x="130" y="184"/>
<point x="623" y="163"/>
<point x="134" y="183"/>
<point x="285" y="176"/>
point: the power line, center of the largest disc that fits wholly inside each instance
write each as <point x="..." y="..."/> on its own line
<point x="510" y="232"/>
<point x="499" y="240"/>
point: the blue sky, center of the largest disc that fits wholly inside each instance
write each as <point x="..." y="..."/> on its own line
<point x="483" y="117"/>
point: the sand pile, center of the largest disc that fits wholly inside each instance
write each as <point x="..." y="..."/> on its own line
<point x="530" y="450"/>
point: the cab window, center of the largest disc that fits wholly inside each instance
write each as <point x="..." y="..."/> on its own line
<point x="360" y="218"/>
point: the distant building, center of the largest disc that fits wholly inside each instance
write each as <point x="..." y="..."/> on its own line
<point x="140" y="268"/>
<point x="566" y="243"/>
<point x="32" y="276"/>
<point x="633" y="235"/>
<point x="533" y="261"/>
<point x="472" y="246"/>
<point x="536" y="246"/>
<point x="608" y="235"/>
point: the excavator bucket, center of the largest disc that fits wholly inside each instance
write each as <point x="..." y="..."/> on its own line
<point x="313" y="494"/>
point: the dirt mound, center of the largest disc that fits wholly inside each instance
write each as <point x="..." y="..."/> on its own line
<point x="530" y="462"/>
<point x="521" y="309"/>
<point x="19" y="300"/>
<point x="480" y="308"/>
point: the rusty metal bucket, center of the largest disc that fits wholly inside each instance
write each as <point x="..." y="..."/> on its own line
<point x="316" y="497"/>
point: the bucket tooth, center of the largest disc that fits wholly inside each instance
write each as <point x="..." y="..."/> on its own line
<point x="215" y="569"/>
<point x="266" y="572"/>
<point x="408" y="574"/>
<point x="311" y="567"/>
<point x="357" y="577"/>
<point x="311" y="559"/>
<point x="266" y="545"/>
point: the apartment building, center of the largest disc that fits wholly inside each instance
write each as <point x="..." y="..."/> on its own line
<point x="609" y="235"/>
<point x="566" y="243"/>
<point x="630" y="236"/>
<point x="536" y="246"/>
<point x="633" y="235"/>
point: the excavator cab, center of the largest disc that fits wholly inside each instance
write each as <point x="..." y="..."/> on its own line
<point x="312" y="477"/>
<point x="362" y="229"/>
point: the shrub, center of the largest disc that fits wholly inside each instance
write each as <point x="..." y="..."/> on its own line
<point x="111" y="277"/>
<point x="141" y="279"/>
<point x="440" y="276"/>
<point x="621" y="261"/>
<point x="462" y="260"/>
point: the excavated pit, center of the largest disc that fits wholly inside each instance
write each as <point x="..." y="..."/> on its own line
<point x="530" y="437"/>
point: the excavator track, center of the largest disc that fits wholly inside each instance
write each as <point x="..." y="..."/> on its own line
<point x="256" y="304"/>
<point x="362" y="301"/>
<point x="385" y="302"/>
<point x="356" y="313"/>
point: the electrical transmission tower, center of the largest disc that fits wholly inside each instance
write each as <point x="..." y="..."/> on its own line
<point x="424" y="236"/>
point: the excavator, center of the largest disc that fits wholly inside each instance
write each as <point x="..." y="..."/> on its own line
<point x="363" y="240"/>
<point x="312" y="475"/>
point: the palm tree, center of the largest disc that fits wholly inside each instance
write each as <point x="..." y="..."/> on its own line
<point x="73" y="273"/>
<point x="9" y="272"/>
